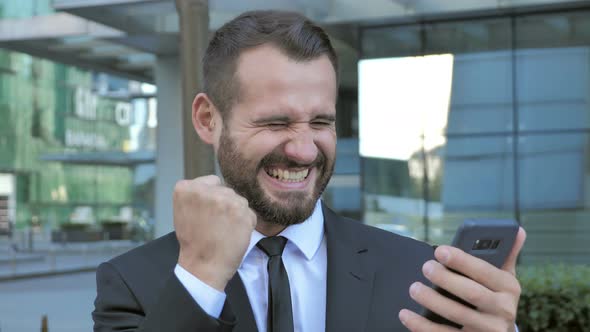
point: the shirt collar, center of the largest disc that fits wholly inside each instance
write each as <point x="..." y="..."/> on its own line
<point x="306" y="236"/>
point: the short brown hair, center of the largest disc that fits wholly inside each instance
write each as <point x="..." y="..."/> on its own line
<point x="292" y="33"/>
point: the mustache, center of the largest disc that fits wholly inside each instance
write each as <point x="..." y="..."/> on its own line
<point x="278" y="158"/>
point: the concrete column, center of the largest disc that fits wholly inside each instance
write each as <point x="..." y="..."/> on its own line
<point x="180" y="152"/>
<point x="169" y="152"/>
<point x="194" y="37"/>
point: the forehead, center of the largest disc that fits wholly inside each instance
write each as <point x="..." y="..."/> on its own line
<point x="269" y="56"/>
<point x="267" y="76"/>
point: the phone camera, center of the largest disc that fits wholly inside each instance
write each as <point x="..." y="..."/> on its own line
<point x="495" y="244"/>
<point x="482" y="244"/>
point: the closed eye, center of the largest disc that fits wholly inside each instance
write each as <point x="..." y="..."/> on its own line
<point x="321" y="123"/>
<point x="276" y="125"/>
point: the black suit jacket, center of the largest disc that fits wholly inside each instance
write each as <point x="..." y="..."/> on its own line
<point x="369" y="274"/>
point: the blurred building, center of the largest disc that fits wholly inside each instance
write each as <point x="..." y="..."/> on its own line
<point x="448" y="110"/>
<point x="69" y="140"/>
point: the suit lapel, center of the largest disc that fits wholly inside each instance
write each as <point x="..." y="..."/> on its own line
<point x="240" y="305"/>
<point x="350" y="276"/>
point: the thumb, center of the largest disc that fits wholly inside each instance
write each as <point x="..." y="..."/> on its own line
<point x="510" y="264"/>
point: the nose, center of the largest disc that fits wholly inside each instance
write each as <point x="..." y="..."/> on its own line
<point x="301" y="147"/>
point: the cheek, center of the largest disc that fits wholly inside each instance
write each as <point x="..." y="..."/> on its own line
<point x="326" y="142"/>
<point x="258" y="147"/>
<point x="264" y="143"/>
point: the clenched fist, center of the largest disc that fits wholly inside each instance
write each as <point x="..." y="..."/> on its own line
<point x="213" y="226"/>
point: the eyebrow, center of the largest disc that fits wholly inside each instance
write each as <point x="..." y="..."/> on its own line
<point x="272" y="118"/>
<point x="286" y="119"/>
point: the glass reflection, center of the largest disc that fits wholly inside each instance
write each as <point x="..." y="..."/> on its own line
<point x="400" y="138"/>
<point x="554" y="179"/>
<point x="394" y="115"/>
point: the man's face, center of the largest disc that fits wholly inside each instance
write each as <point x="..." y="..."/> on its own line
<point x="278" y="142"/>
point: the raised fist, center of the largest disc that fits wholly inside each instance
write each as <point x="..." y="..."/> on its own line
<point x="213" y="226"/>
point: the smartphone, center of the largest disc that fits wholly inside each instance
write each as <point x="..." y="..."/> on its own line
<point x="488" y="239"/>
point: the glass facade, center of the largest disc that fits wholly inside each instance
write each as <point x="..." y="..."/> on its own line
<point x="487" y="117"/>
<point x="25" y="8"/>
<point x="51" y="111"/>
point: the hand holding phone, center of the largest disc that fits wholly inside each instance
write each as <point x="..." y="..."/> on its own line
<point x="487" y="239"/>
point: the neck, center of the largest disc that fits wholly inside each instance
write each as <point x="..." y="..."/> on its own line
<point x="269" y="229"/>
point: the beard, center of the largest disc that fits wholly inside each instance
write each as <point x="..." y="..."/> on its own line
<point x="292" y="207"/>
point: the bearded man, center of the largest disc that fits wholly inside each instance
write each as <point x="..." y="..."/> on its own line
<point x="258" y="250"/>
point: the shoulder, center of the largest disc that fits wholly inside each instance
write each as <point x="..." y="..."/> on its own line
<point x="141" y="271"/>
<point x="385" y="241"/>
<point x="368" y="236"/>
<point x="155" y="256"/>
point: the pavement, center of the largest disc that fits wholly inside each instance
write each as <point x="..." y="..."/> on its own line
<point x="40" y="278"/>
<point x="66" y="300"/>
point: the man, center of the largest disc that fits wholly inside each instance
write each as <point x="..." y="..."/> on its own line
<point x="268" y="109"/>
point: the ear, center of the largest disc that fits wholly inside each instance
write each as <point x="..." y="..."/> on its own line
<point x="206" y="118"/>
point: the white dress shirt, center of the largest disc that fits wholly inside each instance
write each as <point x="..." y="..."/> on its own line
<point x="305" y="259"/>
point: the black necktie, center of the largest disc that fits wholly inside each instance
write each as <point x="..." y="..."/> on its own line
<point x="280" y="315"/>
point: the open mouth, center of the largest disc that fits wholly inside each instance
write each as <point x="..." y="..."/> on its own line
<point x="288" y="176"/>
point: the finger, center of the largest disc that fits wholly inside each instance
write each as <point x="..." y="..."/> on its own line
<point x="417" y="323"/>
<point x="461" y="286"/>
<point x="477" y="269"/>
<point x="228" y="192"/>
<point x="242" y="200"/>
<point x="181" y="185"/>
<point x="212" y="180"/>
<point x="253" y="218"/>
<point x="510" y="264"/>
<point x="449" y="309"/>
<point x="499" y="304"/>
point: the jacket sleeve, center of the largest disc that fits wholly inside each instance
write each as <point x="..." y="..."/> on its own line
<point x="117" y="308"/>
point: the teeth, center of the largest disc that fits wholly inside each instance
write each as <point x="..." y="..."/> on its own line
<point x="288" y="176"/>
